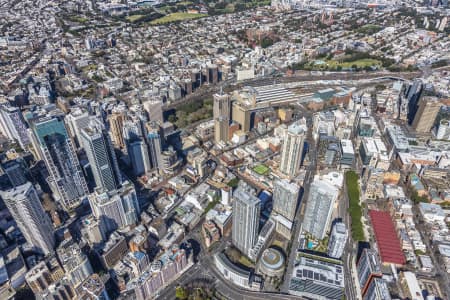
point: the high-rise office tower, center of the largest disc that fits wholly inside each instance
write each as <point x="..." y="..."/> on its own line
<point x="15" y="170"/>
<point x="139" y="157"/>
<point x="153" y="107"/>
<point x="246" y="213"/>
<point x="368" y="267"/>
<point x="56" y="148"/>
<point x="137" y="149"/>
<point x="285" y="198"/>
<point x="292" y="151"/>
<point x="12" y="125"/>
<point x="426" y="114"/>
<point x="26" y="209"/>
<point x="76" y="120"/>
<point x="221" y="115"/>
<point x="240" y="113"/>
<point x="338" y="239"/>
<point x="74" y="262"/>
<point x="319" y="207"/>
<point x="102" y="158"/>
<point x="115" y="209"/>
<point x="132" y="130"/>
<point x="377" y="290"/>
<point x="154" y="145"/>
<point x="412" y="95"/>
<point x="116" y="121"/>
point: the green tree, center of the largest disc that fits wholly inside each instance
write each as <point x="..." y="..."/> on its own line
<point x="172" y="119"/>
<point x="266" y="42"/>
<point x="233" y="182"/>
<point x="417" y="199"/>
<point x="181" y="293"/>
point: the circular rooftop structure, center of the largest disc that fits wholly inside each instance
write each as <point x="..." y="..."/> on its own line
<point x="272" y="262"/>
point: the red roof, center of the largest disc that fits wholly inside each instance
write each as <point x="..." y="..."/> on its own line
<point x="387" y="239"/>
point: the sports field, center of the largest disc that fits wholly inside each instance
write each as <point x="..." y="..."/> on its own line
<point x="178" y="16"/>
<point x="261" y="169"/>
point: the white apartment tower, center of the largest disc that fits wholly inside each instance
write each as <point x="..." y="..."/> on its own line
<point x="338" y="239"/>
<point x="115" y="209"/>
<point x="285" y="198"/>
<point x="292" y="151"/>
<point x="26" y="209"/>
<point x="246" y="213"/>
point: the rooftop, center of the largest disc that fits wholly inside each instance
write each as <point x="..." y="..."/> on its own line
<point x="386" y="237"/>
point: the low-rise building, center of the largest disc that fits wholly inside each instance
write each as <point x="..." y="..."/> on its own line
<point x="317" y="278"/>
<point x="431" y="212"/>
<point x="238" y="276"/>
<point x="112" y="251"/>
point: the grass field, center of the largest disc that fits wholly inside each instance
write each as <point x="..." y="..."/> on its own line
<point x="261" y="169"/>
<point x="178" y="16"/>
<point x="351" y="180"/>
<point x="360" y="63"/>
<point x="134" y="18"/>
<point x="246" y="262"/>
<point x="369" y="29"/>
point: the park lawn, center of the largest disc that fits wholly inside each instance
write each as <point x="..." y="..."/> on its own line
<point x="360" y="63"/>
<point x="257" y="3"/>
<point x="243" y="260"/>
<point x="184" y="3"/>
<point x="229" y="8"/>
<point x="312" y="256"/>
<point x="261" y="169"/>
<point x="178" y="16"/>
<point x="164" y="9"/>
<point x="369" y="29"/>
<point x="278" y="243"/>
<point x="134" y="18"/>
<point x="355" y="210"/>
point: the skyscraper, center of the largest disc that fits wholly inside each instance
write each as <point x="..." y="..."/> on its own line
<point x="115" y="209"/>
<point x="154" y="145"/>
<point x="56" y="148"/>
<point x="76" y="120"/>
<point x="292" y="151"/>
<point x="285" y="198"/>
<point x="132" y="130"/>
<point x="153" y="107"/>
<point x="240" y="113"/>
<point x="319" y="208"/>
<point x="15" y="170"/>
<point x="137" y="149"/>
<point x="102" y="158"/>
<point x="139" y="158"/>
<point x="221" y="115"/>
<point x="12" y="125"/>
<point x="368" y="267"/>
<point x="246" y="213"/>
<point x="426" y="114"/>
<point x="26" y="209"/>
<point x="338" y="239"/>
<point x="377" y="290"/>
<point x="412" y="96"/>
<point x="116" y="121"/>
